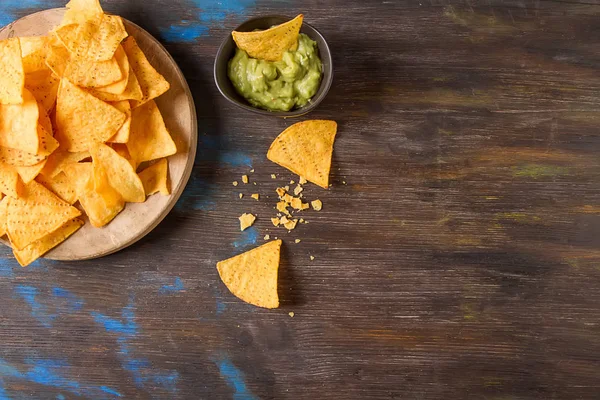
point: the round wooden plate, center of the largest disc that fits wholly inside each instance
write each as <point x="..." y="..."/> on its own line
<point x="178" y="110"/>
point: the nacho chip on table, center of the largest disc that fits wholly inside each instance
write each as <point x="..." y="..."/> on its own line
<point x="18" y="124"/>
<point x="122" y="135"/>
<point x="305" y="148"/>
<point x="155" y="178"/>
<point x="149" y="138"/>
<point x="36" y="213"/>
<point x="11" y="72"/>
<point x="151" y="82"/>
<point x="10" y="183"/>
<point x="41" y="246"/>
<point x="252" y="276"/>
<point x="270" y="44"/>
<point x="83" y="120"/>
<point x="121" y="175"/>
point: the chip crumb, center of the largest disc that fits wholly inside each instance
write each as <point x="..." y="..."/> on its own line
<point x="267" y="237"/>
<point x="273" y="176"/>
<point x="280" y="191"/>
<point x="245" y="178"/>
<point x="297" y="241"/>
<point x="254" y="183"/>
<point x="302" y="181"/>
<point x="283" y="220"/>
<point x="290" y="225"/>
<point x="282" y="207"/>
<point x="287" y="188"/>
<point x="291" y="314"/>
<point x="275" y="237"/>
<point x="344" y="182"/>
<point x="254" y="196"/>
<point x="241" y="195"/>
<point x="252" y="170"/>
<point x="275" y="221"/>
<point x="234" y="183"/>
<point x="301" y="220"/>
<point x="312" y="258"/>
<point x="296" y="203"/>
<point x="246" y="221"/>
<point x="292" y="182"/>
<point x="317" y="205"/>
<point x="298" y="189"/>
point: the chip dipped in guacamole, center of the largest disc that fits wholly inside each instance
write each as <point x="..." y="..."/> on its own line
<point x="276" y="85"/>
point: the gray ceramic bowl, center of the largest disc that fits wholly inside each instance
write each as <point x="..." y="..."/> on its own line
<point x="227" y="50"/>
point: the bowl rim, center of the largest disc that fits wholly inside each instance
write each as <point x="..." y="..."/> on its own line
<point x="280" y="114"/>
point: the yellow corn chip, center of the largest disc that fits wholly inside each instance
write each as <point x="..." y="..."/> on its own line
<point x="11" y="72"/>
<point x="120" y="173"/>
<point x="35" y="214"/>
<point x="78" y="174"/>
<point x="155" y="178"/>
<point x="119" y="86"/>
<point x="305" y="148"/>
<point x="100" y="201"/>
<point x="107" y="38"/>
<point x="83" y="120"/>
<point x="43" y="85"/>
<point x="122" y="135"/>
<point x="151" y="82"/>
<point x="18" y="157"/>
<point x="33" y="52"/>
<point x="86" y="73"/>
<point x="10" y="184"/>
<point x="132" y="91"/>
<point x="58" y="160"/>
<point x="18" y="124"/>
<point x="252" y="276"/>
<point x="121" y="149"/>
<point x="61" y="186"/>
<point x="28" y="174"/>
<point x="246" y="221"/>
<point x="40" y="247"/>
<point x="270" y="44"/>
<point x="79" y="11"/>
<point x="149" y="138"/>
<point x="3" y="208"/>
<point x="57" y="59"/>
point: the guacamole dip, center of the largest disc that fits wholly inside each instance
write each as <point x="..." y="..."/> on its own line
<point x="278" y="85"/>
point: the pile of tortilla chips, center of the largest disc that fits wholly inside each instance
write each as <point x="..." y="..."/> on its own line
<point x="78" y="122"/>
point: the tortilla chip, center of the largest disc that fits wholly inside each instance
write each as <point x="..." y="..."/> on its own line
<point x="100" y="201"/>
<point x="18" y="124"/>
<point x="12" y="76"/>
<point x="121" y="149"/>
<point x="155" y="178"/>
<point x="78" y="175"/>
<point x="149" y="138"/>
<point x="35" y="214"/>
<point x="61" y="158"/>
<point x="107" y="38"/>
<point x="270" y="44"/>
<point x="252" y="276"/>
<point x="33" y="53"/>
<point x="43" y="85"/>
<point x="3" y="208"/>
<point x="18" y="157"/>
<point x="305" y="148"/>
<point x="10" y="184"/>
<point x="28" y="174"/>
<point x="120" y="173"/>
<point x="83" y="120"/>
<point x="61" y="186"/>
<point x="119" y="86"/>
<point x="40" y="247"/>
<point x="151" y="82"/>
<point x="122" y="135"/>
<point x="57" y="59"/>
<point x="246" y="221"/>
<point x="79" y="11"/>
<point x="86" y="73"/>
<point x="132" y="91"/>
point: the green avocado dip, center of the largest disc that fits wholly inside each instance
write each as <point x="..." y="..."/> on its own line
<point x="278" y="85"/>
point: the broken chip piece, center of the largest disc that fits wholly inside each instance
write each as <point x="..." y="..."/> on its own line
<point x="246" y="221"/>
<point x="317" y="205"/>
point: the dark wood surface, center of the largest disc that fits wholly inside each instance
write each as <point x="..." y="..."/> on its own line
<point x="460" y="258"/>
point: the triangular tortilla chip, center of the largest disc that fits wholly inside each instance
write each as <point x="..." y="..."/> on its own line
<point x="40" y="247"/>
<point x="132" y="91"/>
<point x="155" y="178"/>
<point x="305" y="148"/>
<point x="152" y="83"/>
<point x="252" y="276"/>
<point x="3" y="208"/>
<point x="11" y="71"/>
<point x="104" y="43"/>
<point x="270" y="44"/>
<point x="83" y="120"/>
<point x="58" y="160"/>
<point x="149" y="138"/>
<point x="78" y="174"/>
<point x="35" y="214"/>
<point x="61" y="186"/>
<point x="18" y="124"/>
<point x="122" y="135"/>
<point x="79" y="11"/>
<point x="100" y="201"/>
<point x="86" y="73"/>
<point x="121" y="175"/>
<point x="43" y="85"/>
<point x="10" y="184"/>
<point x="33" y="52"/>
<point x="18" y="157"/>
<point x="57" y="58"/>
<point x="119" y="86"/>
<point x="28" y="174"/>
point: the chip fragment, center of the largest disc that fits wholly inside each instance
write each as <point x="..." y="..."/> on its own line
<point x="252" y="276"/>
<point x="155" y="178"/>
<point x="246" y="221"/>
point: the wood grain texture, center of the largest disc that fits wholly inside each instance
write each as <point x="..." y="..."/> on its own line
<point x="460" y="259"/>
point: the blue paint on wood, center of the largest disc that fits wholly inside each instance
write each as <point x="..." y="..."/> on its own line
<point x="247" y="238"/>
<point x="60" y="397"/>
<point x="184" y="33"/>
<point x="221" y="307"/>
<point x="7" y="267"/>
<point x="38" y="310"/>
<point x="197" y="195"/>
<point x="177" y="286"/>
<point x="73" y="303"/>
<point x="11" y="10"/>
<point x="235" y="380"/>
<point x="3" y="394"/>
<point x="210" y="149"/>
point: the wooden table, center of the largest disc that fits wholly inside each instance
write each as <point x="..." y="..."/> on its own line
<point x="457" y="254"/>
